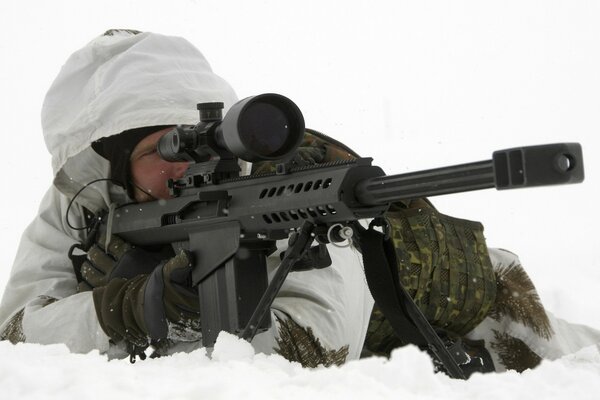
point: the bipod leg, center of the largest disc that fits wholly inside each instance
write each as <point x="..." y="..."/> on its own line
<point x="303" y="241"/>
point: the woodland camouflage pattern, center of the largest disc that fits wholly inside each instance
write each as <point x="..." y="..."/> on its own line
<point x="14" y="330"/>
<point x="300" y="345"/>
<point x="518" y="299"/>
<point x="312" y="150"/>
<point x="444" y="264"/>
<point x="514" y="353"/>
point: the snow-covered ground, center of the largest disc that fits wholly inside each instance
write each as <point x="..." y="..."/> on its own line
<point x="412" y="84"/>
<point x="234" y="372"/>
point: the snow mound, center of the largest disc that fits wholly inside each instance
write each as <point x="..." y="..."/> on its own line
<point x="30" y="371"/>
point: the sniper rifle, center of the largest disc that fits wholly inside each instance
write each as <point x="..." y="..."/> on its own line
<point x="230" y="222"/>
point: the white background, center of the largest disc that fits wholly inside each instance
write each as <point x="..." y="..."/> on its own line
<point x="412" y="84"/>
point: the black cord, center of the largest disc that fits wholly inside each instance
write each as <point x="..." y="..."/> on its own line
<point x="87" y="227"/>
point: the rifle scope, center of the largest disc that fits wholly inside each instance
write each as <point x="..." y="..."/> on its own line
<point x="264" y="127"/>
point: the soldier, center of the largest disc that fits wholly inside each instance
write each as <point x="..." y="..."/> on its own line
<point x="102" y="117"/>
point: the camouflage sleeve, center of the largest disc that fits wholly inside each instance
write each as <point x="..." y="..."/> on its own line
<point x="444" y="264"/>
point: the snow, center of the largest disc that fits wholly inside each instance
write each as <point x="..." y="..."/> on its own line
<point x="412" y="84"/>
<point x="234" y="371"/>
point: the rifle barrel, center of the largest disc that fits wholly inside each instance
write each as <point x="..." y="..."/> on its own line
<point x="519" y="167"/>
<point x="432" y="182"/>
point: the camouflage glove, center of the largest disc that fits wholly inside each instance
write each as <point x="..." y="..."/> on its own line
<point x="151" y="307"/>
<point x="310" y="155"/>
<point x="117" y="260"/>
<point x="315" y="148"/>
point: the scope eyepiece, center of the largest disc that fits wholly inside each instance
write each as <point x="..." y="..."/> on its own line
<point x="177" y="143"/>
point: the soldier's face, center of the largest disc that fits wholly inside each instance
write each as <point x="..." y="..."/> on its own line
<point x="149" y="172"/>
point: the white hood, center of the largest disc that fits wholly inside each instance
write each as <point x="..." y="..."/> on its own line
<point x="118" y="82"/>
